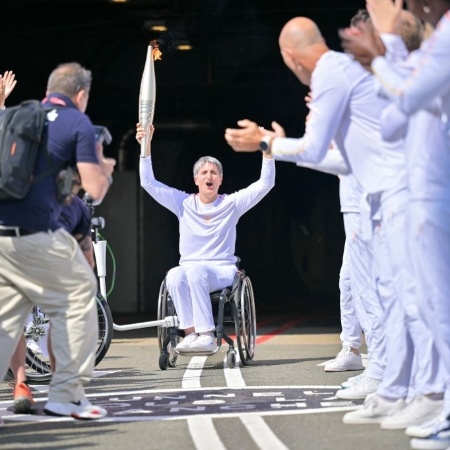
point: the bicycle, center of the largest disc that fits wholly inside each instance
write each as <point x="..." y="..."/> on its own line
<point x="38" y="368"/>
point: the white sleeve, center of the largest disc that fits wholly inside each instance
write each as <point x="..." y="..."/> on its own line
<point x="166" y="196"/>
<point x="393" y="123"/>
<point x="246" y="198"/>
<point x="395" y="47"/>
<point x="330" y="97"/>
<point x="334" y="163"/>
<point x="430" y="78"/>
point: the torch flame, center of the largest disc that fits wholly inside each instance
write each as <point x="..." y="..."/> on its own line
<point x="156" y="51"/>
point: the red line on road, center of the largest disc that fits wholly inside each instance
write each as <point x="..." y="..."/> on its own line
<point x="265" y="337"/>
<point x="279" y="330"/>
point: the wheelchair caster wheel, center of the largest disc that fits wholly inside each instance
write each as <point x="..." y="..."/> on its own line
<point x="163" y="361"/>
<point x="231" y="359"/>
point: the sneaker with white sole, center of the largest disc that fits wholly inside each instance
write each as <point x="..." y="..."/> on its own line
<point x="374" y="410"/>
<point x="360" y="390"/>
<point x="82" y="410"/>
<point x="204" y="343"/>
<point x="420" y="410"/>
<point x="186" y="344"/>
<point x="428" y="428"/>
<point x="437" y="441"/>
<point x="352" y="380"/>
<point x="345" y="360"/>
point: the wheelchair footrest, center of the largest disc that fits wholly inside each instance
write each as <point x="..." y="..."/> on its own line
<point x="197" y="353"/>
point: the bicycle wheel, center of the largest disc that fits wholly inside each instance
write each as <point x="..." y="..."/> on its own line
<point x="105" y="328"/>
<point x="38" y="368"/>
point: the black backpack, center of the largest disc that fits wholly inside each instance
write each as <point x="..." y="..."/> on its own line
<point x="22" y="133"/>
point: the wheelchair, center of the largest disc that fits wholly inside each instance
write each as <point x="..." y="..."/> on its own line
<point x="234" y="305"/>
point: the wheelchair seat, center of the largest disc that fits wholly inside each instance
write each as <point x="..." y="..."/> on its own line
<point x="234" y="304"/>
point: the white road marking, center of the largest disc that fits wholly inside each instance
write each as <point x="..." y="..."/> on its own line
<point x="233" y="376"/>
<point x="204" y="433"/>
<point x="260" y="432"/>
<point x="191" y="377"/>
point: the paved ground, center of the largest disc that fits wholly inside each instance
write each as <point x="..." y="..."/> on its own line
<point x="281" y="400"/>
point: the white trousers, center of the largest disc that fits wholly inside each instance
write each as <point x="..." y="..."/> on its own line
<point x="351" y="329"/>
<point x="368" y="308"/>
<point x="189" y="286"/>
<point x="49" y="270"/>
<point x="408" y="373"/>
<point x="430" y="254"/>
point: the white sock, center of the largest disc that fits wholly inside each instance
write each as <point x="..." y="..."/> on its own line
<point x="208" y="333"/>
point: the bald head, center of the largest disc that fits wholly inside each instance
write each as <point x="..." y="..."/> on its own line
<point x="300" y="32"/>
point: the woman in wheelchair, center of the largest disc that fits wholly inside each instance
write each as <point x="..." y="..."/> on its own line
<point x="207" y="223"/>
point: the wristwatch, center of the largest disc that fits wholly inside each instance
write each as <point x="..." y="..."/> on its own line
<point x="266" y="144"/>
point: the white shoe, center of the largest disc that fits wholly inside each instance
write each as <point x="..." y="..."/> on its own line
<point x="204" y="343"/>
<point x="420" y="410"/>
<point x="82" y="410"/>
<point x="428" y="428"/>
<point x="439" y="440"/>
<point x="345" y="360"/>
<point x="352" y="380"/>
<point x="360" y="389"/>
<point x="186" y="344"/>
<point x="374" y="410"/>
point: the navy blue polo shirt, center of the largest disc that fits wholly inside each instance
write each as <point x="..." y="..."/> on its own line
<point x="76" y="218"/>
<point x="71" y="138"/>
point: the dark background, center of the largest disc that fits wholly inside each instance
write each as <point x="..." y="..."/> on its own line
<point x="291" y="243"/>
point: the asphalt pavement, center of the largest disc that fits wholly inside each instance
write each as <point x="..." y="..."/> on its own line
<point x="282" y="399"/>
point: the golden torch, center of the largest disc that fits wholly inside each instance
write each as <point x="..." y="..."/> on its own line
<point x="147" y="93"/>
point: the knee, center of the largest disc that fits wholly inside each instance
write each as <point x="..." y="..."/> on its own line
<point x="195" y="274"/>
<point x="175" y="277"/>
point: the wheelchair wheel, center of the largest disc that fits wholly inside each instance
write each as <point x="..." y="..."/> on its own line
<point x="245" y="322"/>
<point x="38" y="368"/>
<point x="167" y="340"/>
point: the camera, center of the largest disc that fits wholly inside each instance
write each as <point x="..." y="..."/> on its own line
<point x="68" y="184"/>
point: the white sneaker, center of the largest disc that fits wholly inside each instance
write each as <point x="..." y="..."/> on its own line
<point x="186" y="344"/>
<point x="436" y="441"/>
<point x="360" y="389"/>
<point x="420" y="410"/>
<point x="352" y="380"/>
<point x="374" y="410"/>
<point x="82" y="410"/>
<point x="345" y="360"/>
<point x="204" y="343"/>
<point x="428" y="428"/>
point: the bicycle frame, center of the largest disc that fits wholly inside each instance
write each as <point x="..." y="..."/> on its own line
<point x="100" y="246"/>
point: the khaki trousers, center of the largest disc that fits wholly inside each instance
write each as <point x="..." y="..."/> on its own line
<point x="50" y="271"/>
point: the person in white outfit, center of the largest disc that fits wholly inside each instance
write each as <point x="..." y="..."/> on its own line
<point x="421" y="101"/>
<point x="344" y="108"/>
<point x="207" y="224"/>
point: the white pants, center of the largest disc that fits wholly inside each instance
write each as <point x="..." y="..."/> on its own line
<point x="430" y="254"/>
<point x="351" y="329"/>
<point x="189" y="286"/>
<point x="49" y="270"/>
<point x="367" y="304"/>
<point x="408" y="372"/>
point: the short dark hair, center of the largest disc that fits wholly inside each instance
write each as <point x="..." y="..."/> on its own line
<point x="361" y="16"/>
